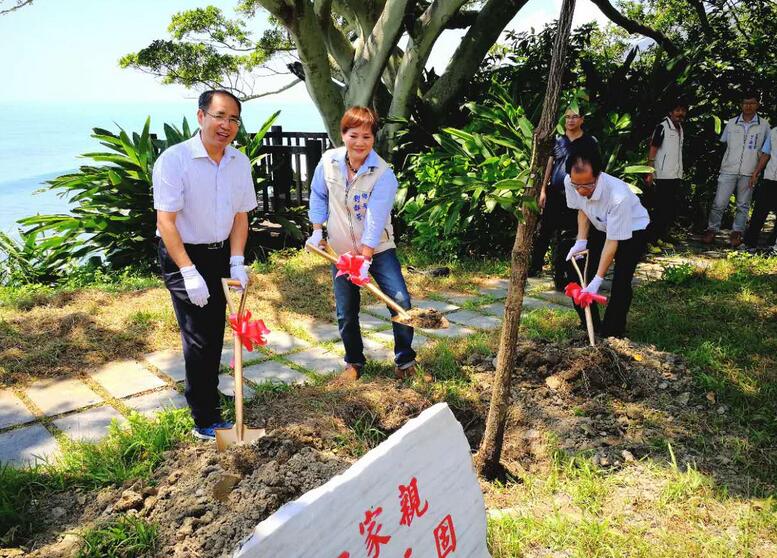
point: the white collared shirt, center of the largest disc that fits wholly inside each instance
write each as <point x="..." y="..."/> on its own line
<point x="613" y="208"/>
<point x="205" y="195"/>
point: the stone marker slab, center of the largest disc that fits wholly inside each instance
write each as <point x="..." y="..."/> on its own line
<point x="227" y="387"/>
<point x="317" y="360"/>
<point x="150" y="403"/>
<point x="60" y="395"/>
<point x="170" y="362"/>
<point x="126" y="377"/>
<point x="417" y="491"/>
<point x="453" y="330"/>
<point x="429" y="304"/>
<point x="90" y="425"/>
<point x="25" y="446"/>
<point x="12" y="410"/>
<point x="273" y="370"/>
<point x="322" y="331"/>
<point x="280" y="342"/>
<point x="473" y="319"/>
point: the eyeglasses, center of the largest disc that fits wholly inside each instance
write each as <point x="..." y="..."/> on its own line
<point x="583" y="186"/>
<point x="221" y="118"/>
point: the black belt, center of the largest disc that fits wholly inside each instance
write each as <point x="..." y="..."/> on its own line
<point x="208" y="246"/>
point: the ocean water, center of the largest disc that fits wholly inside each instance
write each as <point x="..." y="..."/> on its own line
<point x="39" y="142"/>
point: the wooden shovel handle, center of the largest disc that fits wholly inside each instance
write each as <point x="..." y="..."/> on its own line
<point x="589" y="322"/>
<point x="331" y="256"/>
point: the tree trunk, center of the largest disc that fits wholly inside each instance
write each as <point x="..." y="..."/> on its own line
<point x="487" y="458"/>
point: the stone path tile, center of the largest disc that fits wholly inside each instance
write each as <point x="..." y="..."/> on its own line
<point x="473" y="319"/>
<point x="497" y="308"/>
<point x="24" y="445"/>
<point x="453" y="330"/>
<point x="273" y="370"/>
<point x="557" y="297"/>
<point x="150" y="403"/>
<point x="377" y="309"/>
<point x="90" y="425"/>
<point x="496" y="292"/>
<point x="387" y="338"/>
<point x="60" y="395"/>
<point x="542" y="283"/>
<point x="429" y="304"/>
<point x="367" y="321"/>
<point x="497" y="283"/>
<point x="126" y="377"/>
<point x="281" y="342"/>
<point x="169" y="361"/>
<point x="374" y="350"/>
<point x="456" y="298"/>
<point x="531" y="304"/>
<point x="227" y="387"/>
<point x="13" y="411"/>
<point x="322" y="332"/>
<point x="228" y="352"/>
<point x="317" y="360"/>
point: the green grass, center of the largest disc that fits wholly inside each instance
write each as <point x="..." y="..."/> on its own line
<point x="126" y="453"/>
<point x="123" y="537"/>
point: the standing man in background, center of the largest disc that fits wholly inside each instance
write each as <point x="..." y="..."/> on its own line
<point x="765" y="192"/>
<point x="556" y="217"/>
<point x="744" y="137"/>
<point x="203" y="191"/>
<point x="665" y="155"/>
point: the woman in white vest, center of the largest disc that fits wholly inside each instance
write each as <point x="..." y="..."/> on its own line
<point x="352" y="192"/>
<point x="666" y="156"/>
<point x="765" y="194"/>
<point x="744" y="137"/>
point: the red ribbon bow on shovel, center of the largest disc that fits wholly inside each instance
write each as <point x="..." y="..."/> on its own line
<point x="350" y="265"/>
<point x="249" y="331"/>
<point x="582" y="298"/>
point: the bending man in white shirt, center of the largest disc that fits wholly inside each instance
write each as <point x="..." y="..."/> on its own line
<point x="618" y="234"/>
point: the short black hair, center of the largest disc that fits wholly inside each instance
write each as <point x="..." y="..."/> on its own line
<point x="679" y="102"/>
<point x="207" y="96"/>
<point x="750" y="94"/>
<point x="585" y="154"/>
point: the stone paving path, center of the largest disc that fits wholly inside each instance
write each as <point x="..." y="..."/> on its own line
<point x="34" y="417"/>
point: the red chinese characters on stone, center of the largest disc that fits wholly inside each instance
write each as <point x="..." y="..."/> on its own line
<point x="410" y="502"/>
<point x="371" y="530"/>
<point x="445" y="537"/>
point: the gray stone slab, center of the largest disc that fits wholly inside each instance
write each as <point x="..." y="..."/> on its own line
<point x="227" y="387"/>
<point x="60" y="395"/>
<point x="322" y="331"/>
<point x="387" y="338"/>
<point x="473" y="319"/>
<point x="170" y="362"/>
<point x="12" y="410"/>
<point x="374" y="350"/>
<point x="273" y="370"/>
<point x="556" y="297"/>
<point x="281" y="342"/>
<point x="496" y="292"/>
<point x="368" y="321"/>
<point x="227" y="352"/>
<point x="453" y="330"/>
<point x="429" y="304"/>
<point x="496" y="283"/>
<point x="496" y="308"/>
<point x="27" y="445"/>
<point x="126" y="377"/>
<point x="459" y="299"/>
<point x="317" y="360"/>
<point x="531" y="304"/>
<point x="150" y="403"/>
<point x="90" y="425"/>
<point x="539" y="283"/>
<point x="377" y="310"/>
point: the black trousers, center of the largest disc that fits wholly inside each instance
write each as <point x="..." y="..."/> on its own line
<point x="556" y="220"/>
<point x="626" y="259"/>
<point x="202" y="328"/>
<point x="764" y="201"/>
<point x="665" y="199"/>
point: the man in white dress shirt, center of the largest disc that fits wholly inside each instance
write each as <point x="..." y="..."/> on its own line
<point x="203" y="191"/>
<point x="618" y="233"/>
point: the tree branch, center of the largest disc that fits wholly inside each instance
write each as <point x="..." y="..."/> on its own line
<point x="339" y="46"/>
<point x="19" y="4"/>
<point x="462" y="19"/>
<point x="490" y="22"/>
<point x="635" y="27"/>
<point x="701" y="12"/>
<point x="268" y="93"/>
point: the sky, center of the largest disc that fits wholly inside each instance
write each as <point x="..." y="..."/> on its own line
<point x="55" y="50"/>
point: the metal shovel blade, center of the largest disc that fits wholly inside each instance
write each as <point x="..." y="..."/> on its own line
<point x="226" y="437"/>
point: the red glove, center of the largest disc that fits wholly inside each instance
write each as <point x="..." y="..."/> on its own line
<point x="582" y="298"/>
<point x="351" y="265"/>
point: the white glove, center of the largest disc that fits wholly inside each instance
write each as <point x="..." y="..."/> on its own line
<point x="237" y="270"/>
<point x="195" y="286"/>
<point x="593" y="286"/>
<point x="364" y="270"/>
<point x="579" y="246"/>
<point x="316" y="238"/>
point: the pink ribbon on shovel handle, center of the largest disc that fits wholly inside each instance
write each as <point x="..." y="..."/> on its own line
<point x="250" y="332"/>
<point x="582" y="298"/>
<point x="350" y="265"/>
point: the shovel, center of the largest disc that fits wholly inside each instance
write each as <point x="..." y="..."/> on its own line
<point x="588" y="319"/>
<point x="238" y="434"/>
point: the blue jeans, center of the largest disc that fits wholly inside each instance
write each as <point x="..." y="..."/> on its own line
<point x="727" y="185"/>
<point x="387" y="273"/>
